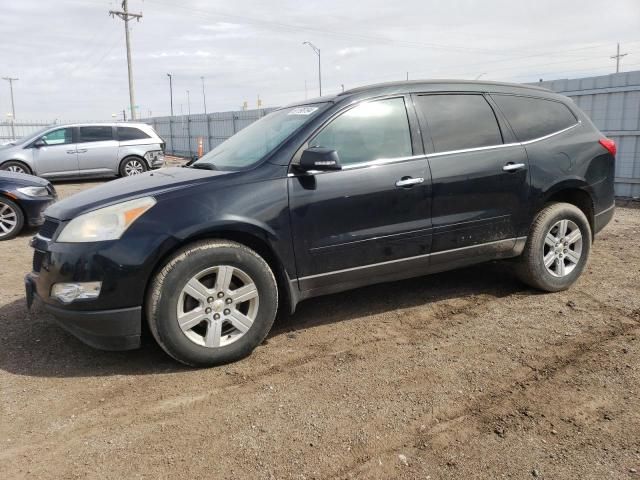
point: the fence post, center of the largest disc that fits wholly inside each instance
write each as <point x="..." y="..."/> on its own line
<point x="173" y="151"/>
<point x="209" y="133"/>
<point x="189" y="133"/>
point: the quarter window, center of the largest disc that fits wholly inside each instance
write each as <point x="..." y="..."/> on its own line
<point x="534" y="117"/>
<point x="458" y="122"/>
<point x="131" y="133"/>
<point x="97" y="133"/>
<point x="369" y="131"/>
<point x="61" y="136"/>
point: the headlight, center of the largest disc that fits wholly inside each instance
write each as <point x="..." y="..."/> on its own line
<point x="34" y="191"/>
<point x="107" y="223"/>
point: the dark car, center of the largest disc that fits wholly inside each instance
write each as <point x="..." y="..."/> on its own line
<point x="375" y="184"/>
<point x="23" y="199"/>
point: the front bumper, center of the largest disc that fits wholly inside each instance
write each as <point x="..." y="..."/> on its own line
<point x="117" y="329"/>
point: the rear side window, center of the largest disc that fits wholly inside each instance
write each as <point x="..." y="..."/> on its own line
<point x="369" y="131"/>
<point x="131" y="133"/>
<point x="458" y="122"/>
<point x="534" y="117"/>
<point x="96" y="133"/>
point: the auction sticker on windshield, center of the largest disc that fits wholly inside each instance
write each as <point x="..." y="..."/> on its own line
<point x="303" y="111"/>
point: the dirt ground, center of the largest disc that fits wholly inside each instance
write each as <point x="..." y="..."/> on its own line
<point x="466" y="374"/>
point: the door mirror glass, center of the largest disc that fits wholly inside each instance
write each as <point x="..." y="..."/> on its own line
<point x="319" y="158"/>
<point x="39" y="143"/>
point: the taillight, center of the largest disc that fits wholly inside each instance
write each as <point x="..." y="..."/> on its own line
<point x="609" y="144"/>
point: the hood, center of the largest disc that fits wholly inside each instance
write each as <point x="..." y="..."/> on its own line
<point x="152" y="183"/>
<point x="22" y="179"/>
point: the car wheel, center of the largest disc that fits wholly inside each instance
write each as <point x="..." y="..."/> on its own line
<point x="557" y="248"/>
<point x="132" y="166"/>
<point x="212" y="303"/>
<point x="11" y="219"/>
<point x="15" y="166"/>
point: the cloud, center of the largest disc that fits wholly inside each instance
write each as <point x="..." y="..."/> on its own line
<point x="350" y="51"/>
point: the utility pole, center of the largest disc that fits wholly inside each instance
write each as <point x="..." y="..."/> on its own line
<point x="317" y="51"/>
<point x="170" y="92"/>
<point x="188" y="104"/>
<point x="618" y="56"/>
<point x="204" y="97"/>
<point x="126" y="16"/>
<point x="13" y="105"/>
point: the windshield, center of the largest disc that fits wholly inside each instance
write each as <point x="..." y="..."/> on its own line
<point x="251" y="144"/>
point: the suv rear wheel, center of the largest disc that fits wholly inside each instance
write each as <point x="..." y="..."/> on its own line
<point x="212" y="303"/>
<point x="133" y="166"/>
<point x="557" y="248"/>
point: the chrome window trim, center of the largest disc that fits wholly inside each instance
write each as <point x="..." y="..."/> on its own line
<point x="474" y="149"/>
<point x="533" y="140"/>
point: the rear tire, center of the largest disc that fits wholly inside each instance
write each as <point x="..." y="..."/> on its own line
<point x="557" y="248"/>
<point x="11" y="219"/>
<point x="214" y="302"/>
<point x="16" y="166"/>
<point x="133" y="166"/>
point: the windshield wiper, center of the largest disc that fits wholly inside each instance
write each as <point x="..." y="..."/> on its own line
<point x="203" y="166"/>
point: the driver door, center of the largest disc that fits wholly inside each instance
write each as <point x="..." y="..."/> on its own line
<point x="370" y="220"/>
<point x="59" y="156"/>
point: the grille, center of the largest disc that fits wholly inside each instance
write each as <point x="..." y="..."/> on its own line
<point x="38" y="257"/>
<point x="48" y="228"/>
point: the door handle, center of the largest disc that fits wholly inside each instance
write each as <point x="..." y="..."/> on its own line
<point x="82" y="150"/>
<point x="71" y="151"/>
<point x="512" y="167"/>
<point x="409" y="181"/>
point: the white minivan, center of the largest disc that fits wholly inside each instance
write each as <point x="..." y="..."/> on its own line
<point x="87" y="149"/>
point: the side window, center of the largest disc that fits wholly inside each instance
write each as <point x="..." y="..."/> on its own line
<point x="97" y="133"/>
<point x="457" y="122"/>
<point x="369" y="131"/>
<point x="534" y="117"/>
<point x="62" y="136"/>
<point x="131" y="133"/>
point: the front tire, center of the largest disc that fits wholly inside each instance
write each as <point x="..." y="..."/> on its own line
<point x="133" y="166"/>
<point x="214" y="302"/>
<point x="557" y="248"/>
<point x="16" y="167"/>
<point x="11" y="219"/>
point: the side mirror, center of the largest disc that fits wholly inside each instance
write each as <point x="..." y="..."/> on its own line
<point x="319" y="158"/>
<point x="39" y="143"/>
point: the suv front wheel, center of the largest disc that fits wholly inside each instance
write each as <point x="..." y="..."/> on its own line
<point x="557" y="248"/>
<point x="212" y="303"/>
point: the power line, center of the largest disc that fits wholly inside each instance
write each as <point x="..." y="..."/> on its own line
<point x="126" y="16"/>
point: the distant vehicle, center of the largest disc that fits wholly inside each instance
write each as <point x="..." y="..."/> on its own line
<point x="78" y="150"/>
<point x="375" y="184"/>
<point x="23" y="198"/>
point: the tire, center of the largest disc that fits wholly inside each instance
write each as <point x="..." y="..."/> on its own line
<point x="11" y="219"/>
<point x="133" y="166"/>
<point x="16" y="166"/>
<point x="565" y="260"/>
<point x="205" y="340"/>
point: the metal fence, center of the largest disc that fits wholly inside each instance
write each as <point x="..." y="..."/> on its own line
<point x="182" y="133"/>
<point x="10" y="131"/>
<point x="613" y="103"/>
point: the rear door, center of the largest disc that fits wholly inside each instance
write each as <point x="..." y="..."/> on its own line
<point x="352" y="225"/>
<point x="479" y="173"/>
<point x="97" y="150"/>
<point x="58" y="157"/>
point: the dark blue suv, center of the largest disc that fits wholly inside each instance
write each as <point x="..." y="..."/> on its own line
<point x="376" y="184"/>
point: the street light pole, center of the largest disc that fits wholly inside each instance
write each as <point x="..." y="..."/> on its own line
<point x="170" y="92"/>
<point x="188" y="103"/>
<point x="13" y="105"/>
<point x="204" y="97"/>
<point x="317" y="52"/>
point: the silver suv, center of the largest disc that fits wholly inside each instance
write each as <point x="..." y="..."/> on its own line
<point x="95" y="149"/>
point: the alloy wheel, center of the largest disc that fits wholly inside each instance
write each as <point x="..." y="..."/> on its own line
<point x="217" y="306"/>
<point x="8" y="219"/>
<point x="133" y="167"/>
<point x="16" y="169"/>
<point x="562" y="248"/>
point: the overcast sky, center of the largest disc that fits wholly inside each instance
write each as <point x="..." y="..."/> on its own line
<point x="70" y="55"/>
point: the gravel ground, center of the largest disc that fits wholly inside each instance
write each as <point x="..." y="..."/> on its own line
<point x="465" y="374"/>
